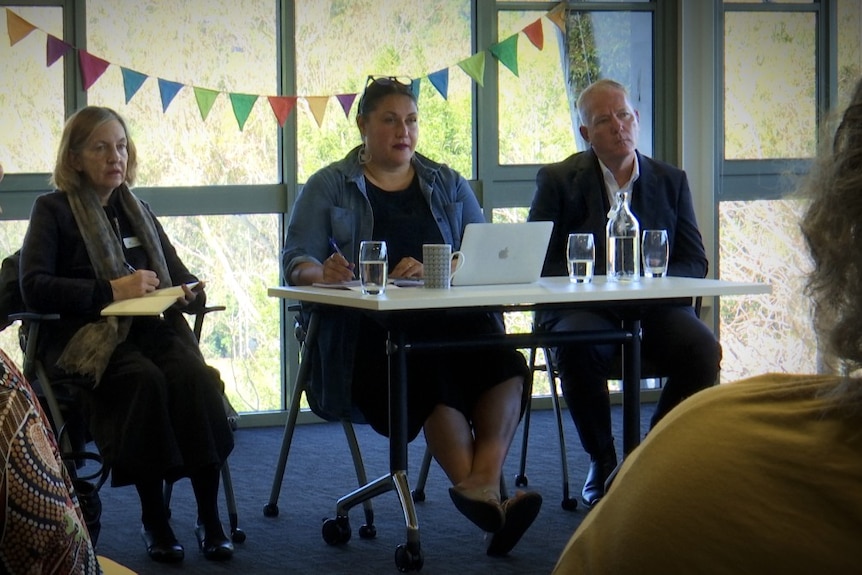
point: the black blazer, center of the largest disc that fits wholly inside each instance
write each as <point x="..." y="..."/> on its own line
<point x="572" y="194"/>
<point x="58" y="277"/>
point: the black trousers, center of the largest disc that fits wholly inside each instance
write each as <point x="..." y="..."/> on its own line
<point x="158" y="411"/>
<point x="675" y="341"/>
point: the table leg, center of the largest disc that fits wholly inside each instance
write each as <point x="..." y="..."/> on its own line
<point x="631" y="386"/>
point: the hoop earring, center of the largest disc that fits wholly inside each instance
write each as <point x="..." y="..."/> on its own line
<point x="364" y="154"/>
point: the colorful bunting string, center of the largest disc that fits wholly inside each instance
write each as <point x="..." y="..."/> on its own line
<point x="93" y="67"/>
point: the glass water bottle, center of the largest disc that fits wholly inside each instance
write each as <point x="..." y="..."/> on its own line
<point x="623" y="242"/>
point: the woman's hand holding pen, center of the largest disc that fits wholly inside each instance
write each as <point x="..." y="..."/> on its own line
<point x="139" y="283"/>
<point x="337" y="269"/>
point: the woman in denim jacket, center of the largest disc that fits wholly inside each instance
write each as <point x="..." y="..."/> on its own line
<point x="468" y="403"/>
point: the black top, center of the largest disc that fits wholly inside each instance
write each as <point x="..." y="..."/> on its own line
<point x="403" y="219"/>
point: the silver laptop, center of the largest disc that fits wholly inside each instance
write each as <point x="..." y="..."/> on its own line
<point x="503" y="253"/>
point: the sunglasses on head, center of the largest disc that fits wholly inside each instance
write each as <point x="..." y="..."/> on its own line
<point x="402" y="81"/>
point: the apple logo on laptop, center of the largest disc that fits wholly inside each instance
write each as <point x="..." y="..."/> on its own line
<point x="503" y="254"/>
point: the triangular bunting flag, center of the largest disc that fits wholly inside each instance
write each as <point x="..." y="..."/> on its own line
<point x="92" y="68"/>
<point x="17" y="27"/>
<point x="168" y="90"/>
<point x="557" y="15"/>
<point x="535" y="33"/>
<point x="346" y="101"/>
<point x="242" y="105"/>
<point x="415" y="86"/>
<point x="440" y="80"/>
<point x="205" y="99"/>
<point x="317" y="105"/>
<point x="282" y="106"/>
<point x="132" y="82"/>
<point x="55" y="49"/>
<point x="507" y="53"/>
<point x="474" y="66"/>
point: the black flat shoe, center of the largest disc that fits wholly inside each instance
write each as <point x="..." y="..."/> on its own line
<point x="520" y="510"/>
<point x="162" y="545"/>
<point x="216" y="547"/>
<point x="481" y="506"/>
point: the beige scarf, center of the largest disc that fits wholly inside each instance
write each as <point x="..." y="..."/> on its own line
<point x="90" y="349"/>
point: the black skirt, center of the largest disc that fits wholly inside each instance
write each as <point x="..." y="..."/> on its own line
<point x="454" y="378"/>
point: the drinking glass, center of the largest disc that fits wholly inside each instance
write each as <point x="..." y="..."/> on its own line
<point x="655" y="253"/>
<point x="373" y="267"/>
<point x="581" y="256"/>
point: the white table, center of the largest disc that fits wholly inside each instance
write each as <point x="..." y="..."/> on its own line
<point x="547" y="293"/>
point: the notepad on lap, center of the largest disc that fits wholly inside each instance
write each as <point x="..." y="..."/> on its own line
<point x="503" y="253"/>
<point x="153" y="303"/>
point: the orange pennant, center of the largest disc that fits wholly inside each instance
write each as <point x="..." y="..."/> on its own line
<point x="18" y="27"/>
<point x="535" y="34"/>
<point x="557" y="15"/>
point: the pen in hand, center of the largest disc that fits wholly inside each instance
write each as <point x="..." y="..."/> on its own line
<point x="337" y="250"/>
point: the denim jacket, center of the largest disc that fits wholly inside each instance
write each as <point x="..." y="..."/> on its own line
<point x="334" y="203"/>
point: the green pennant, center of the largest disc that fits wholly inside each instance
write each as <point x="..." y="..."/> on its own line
<point x="507" y="53"/>
<point x="242" y="105"/>
<point x="205" y="99"/>
<point x="474" y="66"/>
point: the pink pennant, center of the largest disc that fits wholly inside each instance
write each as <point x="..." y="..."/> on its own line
<point x="535" y="34"/>
<point x="56" y="49"/>
<point x="92" y="68"/>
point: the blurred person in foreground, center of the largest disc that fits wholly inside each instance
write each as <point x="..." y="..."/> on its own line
<point x="761" y="475"/>
<point x="156" y="409"/>
<point x="576" y="195"/>
<point x="468" y="403"/>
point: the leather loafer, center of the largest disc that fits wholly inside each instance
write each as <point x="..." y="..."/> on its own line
<point x="162" y="545"/>
<point x="216" y="546"/>
<point x="601" y="468"/>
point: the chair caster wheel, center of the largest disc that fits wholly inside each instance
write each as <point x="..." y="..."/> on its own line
<point x="367" y="531"/>
<point x="569" y="504"/>
<point x="418" y="495"/>
<point x="270" y="510"/>
<point x="237" y="535"/>
<point x="521" y="480"/>
<point x="408" y="557"/>
<point x="336" y="531"/>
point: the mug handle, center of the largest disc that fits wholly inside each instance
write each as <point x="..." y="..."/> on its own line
<point x="458" y="260"/>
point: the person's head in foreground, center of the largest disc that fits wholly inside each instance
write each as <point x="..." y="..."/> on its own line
<point x="761" y="475"/>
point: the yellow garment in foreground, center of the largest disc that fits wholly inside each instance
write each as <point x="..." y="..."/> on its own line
<point x="111" y="567"/>
<point x="746" y="477"/>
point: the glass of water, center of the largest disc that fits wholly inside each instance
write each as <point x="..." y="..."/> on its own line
<point x="654" y="249"/>
<point x="581" y="256"/>
<point x="373" y="267"/>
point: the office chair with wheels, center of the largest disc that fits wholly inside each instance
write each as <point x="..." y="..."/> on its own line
<point x="335" y="531"/>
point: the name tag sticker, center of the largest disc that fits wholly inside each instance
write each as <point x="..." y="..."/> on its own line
<point x="131" y="242"/>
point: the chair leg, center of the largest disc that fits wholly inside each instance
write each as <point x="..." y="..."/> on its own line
<point x="568" y="503"/>
<point x="237" y="535"/>
<point x="366" y="531"/>
<point x="418" y="492"/>
<point x="521" y="479"/>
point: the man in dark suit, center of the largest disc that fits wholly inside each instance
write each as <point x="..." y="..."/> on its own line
<point x="575" y="194"/>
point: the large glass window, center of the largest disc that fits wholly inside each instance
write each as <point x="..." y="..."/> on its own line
<point x="221" y="48"/>
<point x="339" y="43"/>
<point x="535" y="124"/>
<point x="31" y="99"/>
<point x="759" y="238"/>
